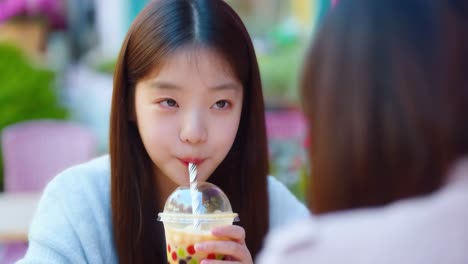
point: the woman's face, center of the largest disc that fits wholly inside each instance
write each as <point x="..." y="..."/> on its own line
<point x="189" y="111"/>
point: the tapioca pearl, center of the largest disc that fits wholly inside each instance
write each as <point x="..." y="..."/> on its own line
<point x="181" y="252"/>
<point x="169" y="248"/>
<point x="211" y="256"/>
<point x="191" y="250"/>
<point x="219" y="257"/>
<point x="174" y="256"/>
<point x="182" y="261"/>
<point x="193" y="261"/>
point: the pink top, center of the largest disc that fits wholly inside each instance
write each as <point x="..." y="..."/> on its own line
<point x="430" y="229"/>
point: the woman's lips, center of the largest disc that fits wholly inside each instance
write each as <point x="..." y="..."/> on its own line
<point x="186" y="161"/>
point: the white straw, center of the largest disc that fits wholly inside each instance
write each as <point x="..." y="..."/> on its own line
<point x="196" y="199"/>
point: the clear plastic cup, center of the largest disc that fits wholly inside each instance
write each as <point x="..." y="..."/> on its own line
<point x="183" y="229"/>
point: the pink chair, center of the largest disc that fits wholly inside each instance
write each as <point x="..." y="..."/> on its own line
<point x="12" y="252"/>
<point x="35" y="151"/>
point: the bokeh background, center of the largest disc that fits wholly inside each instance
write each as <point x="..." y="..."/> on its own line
<point x="57" y="59"/>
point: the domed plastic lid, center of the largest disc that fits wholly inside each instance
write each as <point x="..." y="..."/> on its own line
<point x="215" y="205"/>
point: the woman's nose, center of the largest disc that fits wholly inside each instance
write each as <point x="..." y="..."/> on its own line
<point x="193" y="129"/>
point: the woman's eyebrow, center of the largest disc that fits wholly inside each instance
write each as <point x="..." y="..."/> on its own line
<point x="171" y="86"/>
<point x="164" y="85"/>
<point x="226" y="86"/>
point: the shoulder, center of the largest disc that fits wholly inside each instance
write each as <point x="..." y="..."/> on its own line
<point x="289" y="245"/>
<point x="83" y="188"/>
<point x="73" y="215"/>
<point x="80" y="191"/>
<point x="355" y="236"/>
<point x="276" y="188"/>
<point x="284" y="207"/>
<point x="94" y="173"/>
<point x="331" y="238"/>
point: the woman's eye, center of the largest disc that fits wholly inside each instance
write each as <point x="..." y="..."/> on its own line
<point x="168" y="103"/>
<point x="221" y="104"/>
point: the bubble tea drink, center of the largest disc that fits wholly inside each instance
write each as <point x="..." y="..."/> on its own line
<point x="184" y="227"/>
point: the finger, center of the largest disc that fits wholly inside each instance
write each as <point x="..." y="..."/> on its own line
<point x="232" y="232"/>
<point x="229" y="248"/>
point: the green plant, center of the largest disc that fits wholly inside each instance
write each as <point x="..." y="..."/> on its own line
<point x="279" y="70"/>
<point x="280" y="64"/>
<point x="107" y="66"/>
<point x="26" y="92"/>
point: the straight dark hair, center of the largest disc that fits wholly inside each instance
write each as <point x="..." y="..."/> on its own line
<point x="161" y="29"/>
<point x="385" y="94"/>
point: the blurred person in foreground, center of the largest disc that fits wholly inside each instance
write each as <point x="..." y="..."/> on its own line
<point x="385" y="89"/>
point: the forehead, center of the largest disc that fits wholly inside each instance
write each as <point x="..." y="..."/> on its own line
<point x="193" y="60"/>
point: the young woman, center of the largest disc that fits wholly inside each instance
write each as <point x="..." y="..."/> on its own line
<point x="186" y="89"/>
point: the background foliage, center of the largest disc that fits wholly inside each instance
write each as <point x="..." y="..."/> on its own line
<point x="26" y="92"/>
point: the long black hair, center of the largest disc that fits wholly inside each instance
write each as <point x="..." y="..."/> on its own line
<point x="161" y="29"/>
